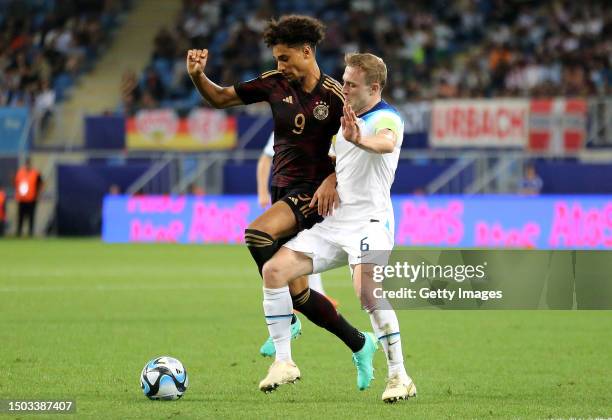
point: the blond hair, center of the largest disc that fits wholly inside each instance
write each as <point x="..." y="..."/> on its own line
<point x="374" y="67"/>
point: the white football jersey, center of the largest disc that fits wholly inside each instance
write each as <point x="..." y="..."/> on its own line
<point x="364" y="178"/>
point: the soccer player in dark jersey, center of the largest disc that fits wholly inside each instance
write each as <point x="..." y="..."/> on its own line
<point x="306" y="107"/>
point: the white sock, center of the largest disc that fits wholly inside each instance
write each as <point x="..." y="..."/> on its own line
<point x="278" y="309"/>
<point x="315" y="283"/>
<point x="386" y="328"/>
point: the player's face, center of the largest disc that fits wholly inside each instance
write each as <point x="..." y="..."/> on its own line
<point x="291" y="61"/>
<point x="355" y="89"/>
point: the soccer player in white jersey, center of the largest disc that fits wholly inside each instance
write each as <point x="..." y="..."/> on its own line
<point x="367" y="150"/>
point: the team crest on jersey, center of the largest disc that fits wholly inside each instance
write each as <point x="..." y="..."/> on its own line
<point x="321" y="111"/>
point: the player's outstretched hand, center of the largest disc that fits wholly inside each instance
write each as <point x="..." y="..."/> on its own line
<point x="348" y="121"/>
<point x="326" y="197"/>
<point x="196" y="61"/>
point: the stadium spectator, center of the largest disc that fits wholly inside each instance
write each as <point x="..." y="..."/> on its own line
<point x="131" y="93"/>
<point x="531" y="184"/>
<point x="196" y="190"/>
<point x="28" y="185"/>
<point x="44" y="103"/>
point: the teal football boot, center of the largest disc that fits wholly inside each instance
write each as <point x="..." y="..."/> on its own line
<point x="363" y="361"/>
<point x="268" y="350"/>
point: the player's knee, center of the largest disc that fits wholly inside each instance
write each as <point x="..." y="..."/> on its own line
<point x="272" y="273"/>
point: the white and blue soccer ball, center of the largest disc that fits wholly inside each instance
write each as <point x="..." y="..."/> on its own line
<point x="164" y="378"/>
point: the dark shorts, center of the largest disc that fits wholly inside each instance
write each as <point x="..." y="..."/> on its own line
<point x="298" y="198"/>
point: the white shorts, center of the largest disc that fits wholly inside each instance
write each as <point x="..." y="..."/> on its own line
<point x="330" y="245"/>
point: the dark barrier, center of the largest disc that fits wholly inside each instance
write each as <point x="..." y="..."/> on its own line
<point x="411" y="177"/>
<point x="239" y="177"/>
<point x="574" y="177"/>
<point x="8" y="169"/>
<point x="81" y="189"/>
<point x="245" y="123"/>
<point x="105" y="132"/>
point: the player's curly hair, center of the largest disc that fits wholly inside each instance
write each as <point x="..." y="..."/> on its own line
<point x="294" y="30"/>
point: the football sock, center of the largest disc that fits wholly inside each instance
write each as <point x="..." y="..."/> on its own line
<point x="319" y="310"/>
<point x="315" y="283"/>
<point x="261" y="245"/>
<point x="278" y="310"/>
<point x="386" y="328"/>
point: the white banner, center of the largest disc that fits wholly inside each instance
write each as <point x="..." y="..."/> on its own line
<point x="480" y="123"/>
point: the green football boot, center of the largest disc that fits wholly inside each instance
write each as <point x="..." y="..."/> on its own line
<point x="363" y="361"/>
<point x="268" y="350"/>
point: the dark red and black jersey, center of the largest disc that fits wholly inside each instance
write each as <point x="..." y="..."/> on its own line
<point x="304" y="124"/>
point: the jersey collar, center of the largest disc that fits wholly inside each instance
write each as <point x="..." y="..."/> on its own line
<point x="314" y="89"/>
<point x="380" y="105"/>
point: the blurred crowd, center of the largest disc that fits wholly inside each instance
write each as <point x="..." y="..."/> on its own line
<point x="46" y="44"/>
<point x="433" y="48"/>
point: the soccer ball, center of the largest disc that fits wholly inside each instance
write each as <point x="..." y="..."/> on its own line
<point x="164" y="378"/>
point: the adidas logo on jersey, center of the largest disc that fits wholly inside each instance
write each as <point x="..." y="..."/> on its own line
<point x="288" y="99"/>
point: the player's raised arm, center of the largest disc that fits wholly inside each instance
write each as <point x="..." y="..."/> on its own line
<point x="215" y="95"/>
<point x="382" y="142"/>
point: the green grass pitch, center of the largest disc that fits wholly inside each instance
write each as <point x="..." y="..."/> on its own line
<point x="80" y="318"/>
